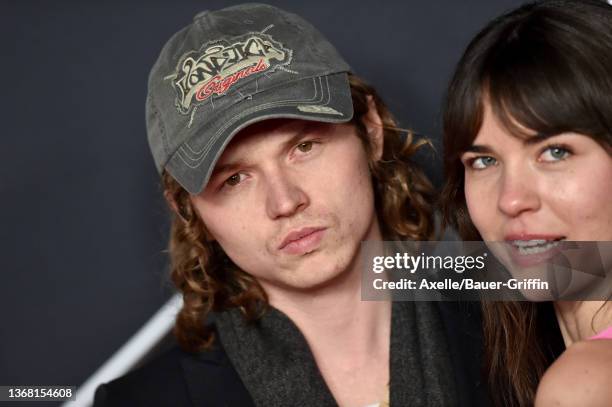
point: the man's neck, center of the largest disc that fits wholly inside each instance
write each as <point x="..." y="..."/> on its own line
<point x="338" y="321"/>
<point x="334" y="317"/>
<point x="349" y="338"/>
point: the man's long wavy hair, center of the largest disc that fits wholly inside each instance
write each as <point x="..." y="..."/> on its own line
<point x="211" y="282"/>
<point x="545" y="66"/>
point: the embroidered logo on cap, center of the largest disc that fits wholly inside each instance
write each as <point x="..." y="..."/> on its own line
<point x="217" y="66"/>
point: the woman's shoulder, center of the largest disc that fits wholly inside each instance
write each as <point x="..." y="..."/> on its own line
<point x="582" y="375"/>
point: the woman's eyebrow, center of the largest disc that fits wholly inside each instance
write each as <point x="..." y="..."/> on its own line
<point x="478" y="148"/>
<point x="532" y="140"/>
<point x="538" y="138"/>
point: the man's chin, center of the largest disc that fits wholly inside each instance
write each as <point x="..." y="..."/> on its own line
<point x="309" y="280"/>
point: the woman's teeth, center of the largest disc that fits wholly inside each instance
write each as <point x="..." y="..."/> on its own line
<point x="526" y="247"/>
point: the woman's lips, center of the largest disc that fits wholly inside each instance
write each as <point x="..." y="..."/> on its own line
<point x="302" y="241"/>
<point x="528" y="251"/>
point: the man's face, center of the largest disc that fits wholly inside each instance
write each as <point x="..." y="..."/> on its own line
<point x="290" y="202"/>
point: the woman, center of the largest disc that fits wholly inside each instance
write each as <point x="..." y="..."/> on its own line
<point x="528" y="161"/>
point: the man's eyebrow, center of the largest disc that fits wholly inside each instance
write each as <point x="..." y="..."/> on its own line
<point x="306" y="127"/>
<point x="297" y="136"/>
<point x="240" y="163"/>
<point x="228" y="167"/>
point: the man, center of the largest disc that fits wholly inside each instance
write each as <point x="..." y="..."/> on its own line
<point x="278" y="163"/>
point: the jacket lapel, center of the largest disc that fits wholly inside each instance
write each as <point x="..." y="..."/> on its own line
<point x="212" y="380"/>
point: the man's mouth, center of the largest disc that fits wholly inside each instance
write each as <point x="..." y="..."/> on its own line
<point x="302" y="241"/>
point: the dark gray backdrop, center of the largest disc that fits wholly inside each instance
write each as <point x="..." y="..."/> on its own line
<point x="82" y="225"/>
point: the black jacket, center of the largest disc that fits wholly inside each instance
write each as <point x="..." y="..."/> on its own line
<point x="177" y="378"/>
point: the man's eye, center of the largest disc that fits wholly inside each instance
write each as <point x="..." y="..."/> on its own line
<point x="480" y="163"/>
<point x="554" y="153"/>
<point x="233" y="180"/>
<point x="305" y="147"/>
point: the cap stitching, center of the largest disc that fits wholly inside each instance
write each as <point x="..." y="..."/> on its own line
<point x="256" y="80"/>
<point x="206" y="149"/>
<point x="162" y="127"/>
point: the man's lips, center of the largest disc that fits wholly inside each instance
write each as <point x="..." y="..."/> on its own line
<point x="302" y="240"/>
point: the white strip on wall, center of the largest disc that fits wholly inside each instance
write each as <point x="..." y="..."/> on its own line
<point x="133" y="351"/>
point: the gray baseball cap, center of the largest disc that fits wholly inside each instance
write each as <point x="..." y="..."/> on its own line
<point x="231" y="68"/>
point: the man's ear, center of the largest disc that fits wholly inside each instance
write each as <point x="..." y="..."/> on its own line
<point x="374" y="126"/>
<point x="174" y="206"/>
<point x="170" y="200"/>
<point x="176" y="209"/>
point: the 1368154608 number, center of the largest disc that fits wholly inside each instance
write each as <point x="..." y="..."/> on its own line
<point x="33" y="393"/>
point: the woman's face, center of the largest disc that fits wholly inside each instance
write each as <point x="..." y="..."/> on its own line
<point x="530" y="192"/>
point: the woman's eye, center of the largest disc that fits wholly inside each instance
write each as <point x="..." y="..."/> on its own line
<point x="305" y="147"/>
<point x="234" y="180"/>
<point x="480" y="163"/>
<point x="554" y="153"/>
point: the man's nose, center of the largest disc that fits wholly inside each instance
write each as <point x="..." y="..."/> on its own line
<point x="285" y="196"/>
<point x="518" y="191"/>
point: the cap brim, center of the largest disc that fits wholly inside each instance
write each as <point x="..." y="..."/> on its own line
<point x="324" y="98"/>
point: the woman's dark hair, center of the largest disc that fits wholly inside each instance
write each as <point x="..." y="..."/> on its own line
<point x="545" y="67"/>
